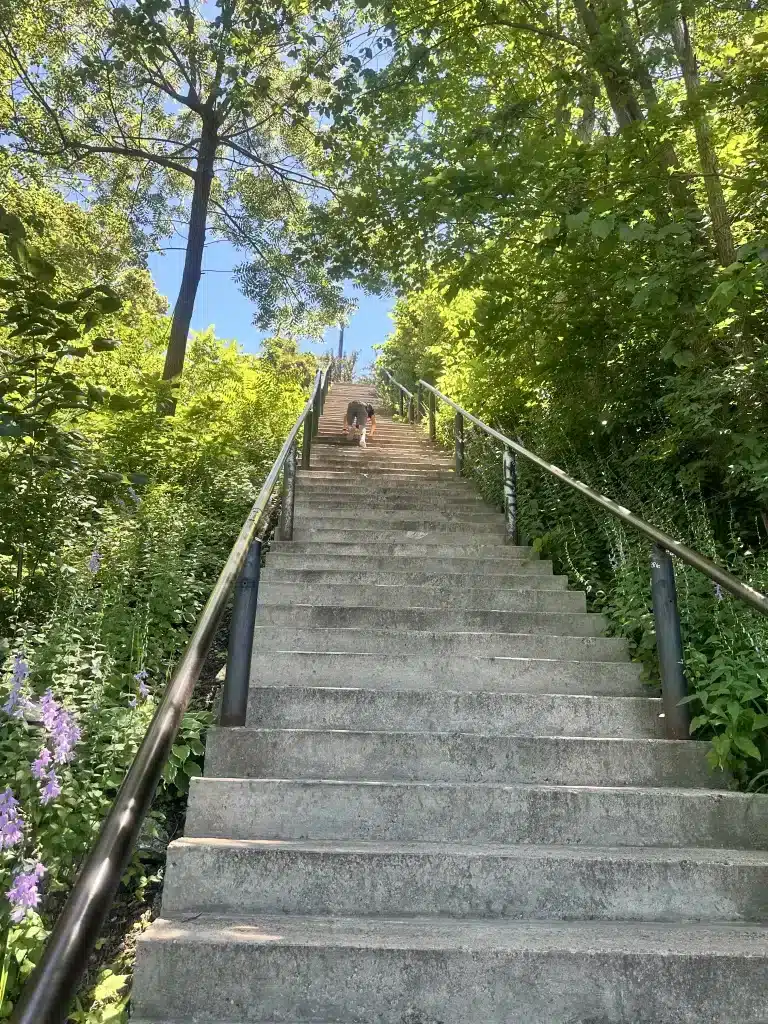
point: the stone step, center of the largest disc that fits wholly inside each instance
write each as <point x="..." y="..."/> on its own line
<point x="337" y="499"/>
<point x="248" y="752"/>
<point x="442" y="971"/>
<point x="349" y="706"/>
<point x="442" y="582"/>
<point x="438" y="645"/>
<point x="356" y="477"/>
<point x="399" y="596"/>
<point x="432" y="621"/>
<point x="342" y="517"/>
<point x="540" y="883"/>
<point x="399" y="543"/>
<point x="372" y="486"/>
<point x="348" y="530"/>
<point x="356" y="458"/>
<point x="383" y="481"/>
<point x="476" y="813"/>
<point x="410" y="671"/>
<point x="368" y="506"/>
<point x="284" y="555"/>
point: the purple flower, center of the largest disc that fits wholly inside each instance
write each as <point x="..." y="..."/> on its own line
<point x="24" y="893"/>
<point x="51" y="789"/>
<point x="66" y="736"/>
<point x="11" y="822"/>
<point x="16" y="701"/>
<point x="134" y="496"/>
<point x="62" y="727"/>
<point x="719" y="592"/>
<point x="132" y="702"/>
<point x="141" y="678"/>
<point x="49" y="709"/>
<point x="40" y="765"/>
<point x="94" y="562"/>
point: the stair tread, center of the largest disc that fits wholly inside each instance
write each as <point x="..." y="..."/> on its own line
<point x="587" y="938"/>
<point x="523" y="852"/>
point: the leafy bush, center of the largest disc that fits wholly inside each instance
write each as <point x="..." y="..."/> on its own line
<point x="117" y="521"/>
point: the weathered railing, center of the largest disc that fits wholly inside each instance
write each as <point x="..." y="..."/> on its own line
<point x="404" y="397"/>
<point x="663" y="591"/>
<point x="53" y="984"/>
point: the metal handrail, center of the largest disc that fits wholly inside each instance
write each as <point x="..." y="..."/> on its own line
<point x="669" y="643"/>
<point x="397" y="384"/>
<point x="725" y="579"/>
<point x="53" y="983"/>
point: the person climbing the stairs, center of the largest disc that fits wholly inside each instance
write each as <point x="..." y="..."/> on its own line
<point x="358" y="417"/>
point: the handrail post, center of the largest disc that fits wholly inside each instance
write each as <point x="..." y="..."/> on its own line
<point x="234" y="698"/>
<point x="509" y="467"/>
<point x="669" y="644"/>
<point x="411" y="411"/>
<point x="306" y="441"/>
<point x="432" y="423"/>
<point x="402" y="404"/>
<point x="418" y="402"/>
<point x="458" y="438"/>
<point x="289" y="496"/>
<point x="316" y="412"/>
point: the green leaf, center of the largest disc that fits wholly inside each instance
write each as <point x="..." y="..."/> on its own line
<point x="181" y="752"/>
<point x="746" y="746"/>
<point x="109" y="302"/>
<point x="109" y="986"/>
<point x="104" y="344"/>
<point x="684" y="358"/>
<point x="574" y="221"/>
<point x="42" y="269"/>
<point x="192" y="769"/>
<point x="602" y="228"/>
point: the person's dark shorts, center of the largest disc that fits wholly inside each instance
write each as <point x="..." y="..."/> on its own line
<point x="357" y="411"/>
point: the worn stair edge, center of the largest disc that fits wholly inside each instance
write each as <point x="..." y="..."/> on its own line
<point x="346" y="879"/>
<point x="438" y="644"/>
<point x="401" y="671"/>
<point x="345" y="706"/>
<point x="432" y="620"/>
<point x="441" y="582"/>
<point x="474" y="812"/>
<point x="280" y="968"/>
<point x="248" y="752"/>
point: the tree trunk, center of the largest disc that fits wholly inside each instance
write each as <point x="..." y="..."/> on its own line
<point x="718" y="210"/>
<point x="619" y="82"/>
<point x="615" y="79"/>
<point x="193" y="260"/>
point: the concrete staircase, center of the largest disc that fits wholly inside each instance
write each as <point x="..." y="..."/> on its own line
<point x="452" y="802"/>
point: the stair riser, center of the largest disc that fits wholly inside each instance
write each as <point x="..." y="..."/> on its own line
<point x="383" y="483"/>
<point x="370" y="507"/>
<point x="428" y="812"/>
<point x="439" y="645"/>
<point x="493" y="552"/>
<point x="387" y="519"/>
<point x="280" y="556"/>
<point x="537" y="886"/>
<point x="457" y="757"/>
<point x="450" y="534"/>
<point x="396" y="475"/>
<point x="296" y="707"/>
<point x="275" y="983"/>
<point x="442" y="620"/>
<point x="400" y="672"/>
<point x="442" y="582"/>
<point x="355" y="595"/>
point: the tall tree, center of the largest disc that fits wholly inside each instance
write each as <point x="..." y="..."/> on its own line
<point x="168" y="102"/>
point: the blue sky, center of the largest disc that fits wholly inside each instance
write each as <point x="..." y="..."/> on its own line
<point x="221" y="303"/>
